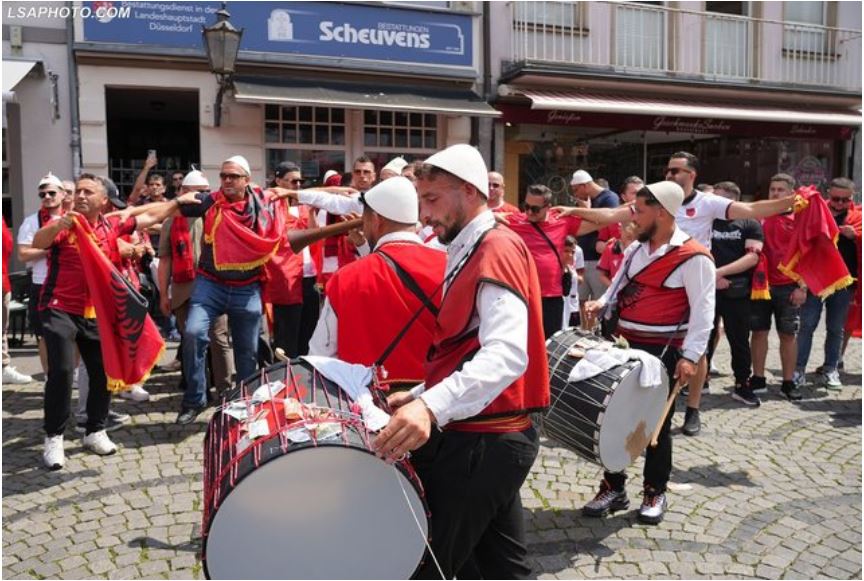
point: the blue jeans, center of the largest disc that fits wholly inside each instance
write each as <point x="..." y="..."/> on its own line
<point x="836" y="310"/>
<point x="209" y="300"/>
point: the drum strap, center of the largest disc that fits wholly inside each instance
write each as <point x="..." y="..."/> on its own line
<point x="409" y="282"/>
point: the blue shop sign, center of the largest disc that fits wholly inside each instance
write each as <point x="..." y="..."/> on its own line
<point x="327" y="29"/>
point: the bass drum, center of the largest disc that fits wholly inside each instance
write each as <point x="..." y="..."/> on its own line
<point x="607" y="419"/>
<point x="292" y="489"/>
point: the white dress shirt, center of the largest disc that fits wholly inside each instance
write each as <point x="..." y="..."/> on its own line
<point x="697" y="276"/>
<point x="502" y="319"/>
<point x="324" y="341"/>
<point x="332" y="203"/>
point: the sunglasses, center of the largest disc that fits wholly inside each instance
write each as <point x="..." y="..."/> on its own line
<point x="840" y="199"/>
<point x="231" y="176"/>
<point x="48" y="193"/>
<point x="534" y="209"/>
<point x="676" y="170"/>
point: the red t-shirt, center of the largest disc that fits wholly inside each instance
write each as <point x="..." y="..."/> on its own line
<point x="610" y="260"/>
<point x="7" y="252"/>
<point x="65" y="288"/>
<point x="609" y="232"/>
<point x="548" y="265"/>
<point x="778" y="235"/>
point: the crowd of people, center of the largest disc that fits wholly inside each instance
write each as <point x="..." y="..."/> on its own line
<point x="450" y="291"/>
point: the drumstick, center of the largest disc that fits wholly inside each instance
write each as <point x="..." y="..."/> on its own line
<point x="669" y="403"/>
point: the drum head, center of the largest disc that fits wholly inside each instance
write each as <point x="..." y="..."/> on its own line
<point x="629" y="421"/>
<point x="326" y="512"/>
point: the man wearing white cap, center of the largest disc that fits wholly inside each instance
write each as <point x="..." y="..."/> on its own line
<point x="241" y="231"/>
<point x="485" y="373"/>
<point x="393" y="168"/>
<point x="584" y="187"/>
<point x="664" y="294"/>
<point x="53" y="194"/>
<point x="370" y="301"/>
<point x="179" y="250"/>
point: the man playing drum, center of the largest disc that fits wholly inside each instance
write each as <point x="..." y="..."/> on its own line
<point x="664" y="294"/>
<point x="370" y="301"/>
<point x="486" y="371"/>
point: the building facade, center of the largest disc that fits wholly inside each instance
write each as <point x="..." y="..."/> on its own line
<point x="752" y="88"/>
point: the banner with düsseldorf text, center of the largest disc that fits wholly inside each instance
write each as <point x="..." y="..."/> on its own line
<point x="327" y="29"/>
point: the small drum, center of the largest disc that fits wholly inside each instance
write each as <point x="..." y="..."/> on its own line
<point x="607" y="419"/>
<point x="292" y="490"/>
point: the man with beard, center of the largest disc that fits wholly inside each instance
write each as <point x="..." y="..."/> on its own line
<point x="665" y="298"/>
<point x="485" y="373"/>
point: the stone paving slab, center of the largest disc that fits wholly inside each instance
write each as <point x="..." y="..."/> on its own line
<point x="773" y="492"/>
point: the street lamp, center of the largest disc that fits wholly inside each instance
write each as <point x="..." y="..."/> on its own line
<point x="222" y="43"/>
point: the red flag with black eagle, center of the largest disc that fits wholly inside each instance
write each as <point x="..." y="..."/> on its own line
<point x="812" y="255"/>
<point x="130" y="341"/>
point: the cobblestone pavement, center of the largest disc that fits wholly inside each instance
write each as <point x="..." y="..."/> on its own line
<point x="770" y="492"/>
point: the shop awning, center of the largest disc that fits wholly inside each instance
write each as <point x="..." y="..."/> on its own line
<point x="14" y="72"/>
<point x="361" y="96"/>
<point x="597" y="103"/>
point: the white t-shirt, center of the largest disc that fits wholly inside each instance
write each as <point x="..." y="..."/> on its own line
<point x="26" y="232"/>
<point x="697" y="217"/>
<point x="571" y="302"/>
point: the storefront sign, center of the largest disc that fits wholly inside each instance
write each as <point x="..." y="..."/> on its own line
<point x="687" y="125"/>
<point x="328" y="29"/>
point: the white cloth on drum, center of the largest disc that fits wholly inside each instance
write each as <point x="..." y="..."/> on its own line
<point x="354" y="380"/>
<point x="596" y="361"/>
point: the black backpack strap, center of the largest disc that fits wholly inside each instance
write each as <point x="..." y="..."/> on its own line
<point x="409" y="282"/>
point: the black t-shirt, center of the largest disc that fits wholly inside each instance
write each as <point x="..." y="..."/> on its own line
<point x="846" y="246"/>
<point x="588" y="242"/>
<point x="727" y="246"/>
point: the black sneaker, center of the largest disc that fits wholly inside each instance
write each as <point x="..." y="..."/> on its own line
<point x="745" y="395"/>
<point x="653" y="507"/>
<point x="607" y="500"/>
<point x="188" y="415"/>
<point x="692" y="425"/>
<point x="791" y="391"/>
<point x="114" y="421"/>
<point x="758" y="385"/>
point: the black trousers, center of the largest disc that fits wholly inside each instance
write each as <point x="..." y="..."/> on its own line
<point x="658" y="460"/>
<point x="472" y="483"/>
<point x="736" y="325"/>
<point x="286" y="328"/>
<point x="553" y="315"/>
<point x="62" y="332"/>
<point x="309" y="316"/>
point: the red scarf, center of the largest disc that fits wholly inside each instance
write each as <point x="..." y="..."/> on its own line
<point x="182" y="259"/>
<point x="129" y="339"/>
<point x="241" y="239"/>
<point x="812" y="255"/>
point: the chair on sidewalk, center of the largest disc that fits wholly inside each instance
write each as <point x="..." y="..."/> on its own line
<point x="18" y="306"/>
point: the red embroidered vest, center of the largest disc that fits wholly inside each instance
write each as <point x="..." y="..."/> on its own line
<point x="372" y="306"/>
<point x="500" y="258"/>
<point x="645" y="301"/>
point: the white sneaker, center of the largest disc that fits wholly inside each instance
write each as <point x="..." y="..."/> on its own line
<point x="137" y="393"/>
<point x="13" y="376"/>
<point x="53" y="456"/>
<point x="799" y="378"/>
<point x="832" y="380"/>
<point x="99" y="443"/>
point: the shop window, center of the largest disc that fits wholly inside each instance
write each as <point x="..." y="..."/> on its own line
<point x="300" y="125"/>
<point x="313" y="163"/>
<point x="400" y="130"/>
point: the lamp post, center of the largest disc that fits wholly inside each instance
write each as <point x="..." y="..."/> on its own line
<point x="222" y="43"/>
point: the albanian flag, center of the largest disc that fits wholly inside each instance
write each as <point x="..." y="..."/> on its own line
<point x="812" y="255"/>
<point x="131" y="343"/>
<point x="853" y="322"/>
<point x="244" y="238"/>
